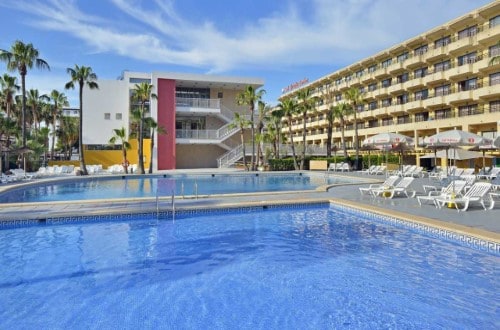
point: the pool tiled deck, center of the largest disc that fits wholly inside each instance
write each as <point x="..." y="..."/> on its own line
<point x="475" y="222"/>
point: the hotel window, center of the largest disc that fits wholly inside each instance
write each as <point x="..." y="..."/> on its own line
<point x="403" y="119"/>
<point x="494" y="50"/>
<point x="372" y="105"/>
<point x="348" y="78"/>
<point x="386" y="63"/>
<point x="495" y="21"/>
<point x="495" y="106"/>
<point x="442" y="66"/>
<point x="362" y="90"/>
<point x="192" y="93"/>
<point x="467" y="85"/>
<point x="372" y="87"/>
<point x="495" y="78"/>
<point x="421" y="50"/>
<point x="107" y="116"/>
<point x="422" y="95"/>
<point x="402" y="57"/>
<point x="386" y="102"/>
<point x="118" y="116"/>
<point x="338" y="97"/>
<point x="402" y="77"/>
<point x="139" y="80"/>
<point x="220" y="95"/>
<point x="443" y="113"/>
<point x="424" y="116"/>
<point x="372" y="68"/>
<point x="360" y="107"/>
<point x="402" y="99"/>
<point x="386" y="82"/>
<point x="373" y="123"/>
<point x="420" y="73"/>
<point x="442" y="90"/>
<point x="467" y="110"/>
<point x="442" y="42"/>
<point x="468" y="32"/>
<point x="359" y="73"/>
<point x="338" y="81"/>
<point x="387" y="121"/>
<point x="467" y="58"/>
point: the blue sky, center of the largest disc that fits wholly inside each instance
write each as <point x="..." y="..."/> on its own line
<point x="280" y="41"/>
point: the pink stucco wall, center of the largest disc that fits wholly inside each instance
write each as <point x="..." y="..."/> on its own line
<point x="166" y="119"/>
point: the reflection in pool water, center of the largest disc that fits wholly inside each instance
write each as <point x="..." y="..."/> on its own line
<point x="181" y="185"/>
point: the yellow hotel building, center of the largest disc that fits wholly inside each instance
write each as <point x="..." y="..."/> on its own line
<point x="437" y="81"/>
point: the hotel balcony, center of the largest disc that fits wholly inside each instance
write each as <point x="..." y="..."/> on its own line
<point x="487" y="92"/>
<point x="396" y="88"/>
<point x="415" y="61"/>
<point x="198" y="106"/>
<point x="463" y="45"/>
<point x="436" y="53"/>
<point x="460" y="72"/>
<point x="488" y="35"/>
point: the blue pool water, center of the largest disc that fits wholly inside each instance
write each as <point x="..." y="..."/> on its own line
<point x="310" y="268"/>
<point x="132" y="187"/>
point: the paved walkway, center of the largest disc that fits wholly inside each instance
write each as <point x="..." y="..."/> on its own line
<point x="474" y="220"/>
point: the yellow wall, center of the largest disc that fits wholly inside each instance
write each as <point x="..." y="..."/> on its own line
<point x="111" y="157"/>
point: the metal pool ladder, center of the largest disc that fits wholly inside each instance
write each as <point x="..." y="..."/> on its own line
<point x="158" y="193"/>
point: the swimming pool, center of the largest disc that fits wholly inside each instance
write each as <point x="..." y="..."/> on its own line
<point x="310" y="268"/>
<point x="182" y="184"/>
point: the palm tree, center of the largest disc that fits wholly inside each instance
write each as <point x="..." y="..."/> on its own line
<point x="142" y="93"/>
<point x="121" y="135"/>
<point x="262" y="118"/>
<point x="242" y="123"/>
<point x="153" y="125"/>
<point x="248" y="97"/>
<point x="355" y="97"/>
<point x="289" y="109"/>
<point x="22" y="57"/>
<point x="275" y="122"/>
<point x="60" y="100"/>
<point x="9" y="89"/>
<point x="67" y="134"/>
<point x="306" y="104"/>
<point x="82" y="75"/>
<point x="340" y="112"/>
<point x="34" y="100"/>
<point x="8" y="128"/>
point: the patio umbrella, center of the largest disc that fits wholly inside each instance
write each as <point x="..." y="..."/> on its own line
<point x="455" y="138"/>
<point x="455" y="154"/>
<point x="387" y="141"/>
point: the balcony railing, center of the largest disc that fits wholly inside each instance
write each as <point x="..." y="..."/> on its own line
<point x="197" y="103"/>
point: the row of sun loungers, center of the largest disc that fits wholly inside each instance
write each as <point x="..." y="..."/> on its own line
<point x="460" y="193"/>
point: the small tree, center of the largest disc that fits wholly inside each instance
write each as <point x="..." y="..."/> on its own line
<point x="82" y="75"/>
<point x="121" y="135"/>
<point x="153" y="125"/>
<point x="241" y="122"/>
<point x="143" y="93"/>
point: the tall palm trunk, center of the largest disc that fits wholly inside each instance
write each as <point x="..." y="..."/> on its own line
<point x="252" y="160"/>
<point x="342" y="131"/>
<point x="83" y="168"/>
<point x="150" y="171"/>
<point x="304" y="134"/>
<point x="295" y="164"/>
<point x="23" y="108"/>
<point x="242" y="135"/>
<point x="141" y="152"/>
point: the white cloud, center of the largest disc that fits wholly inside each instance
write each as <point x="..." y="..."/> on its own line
<point x="328" y="32"/>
